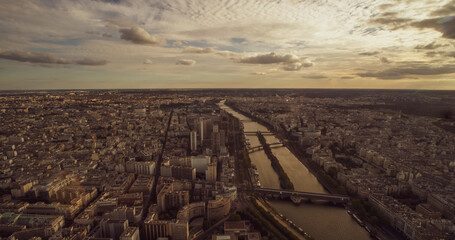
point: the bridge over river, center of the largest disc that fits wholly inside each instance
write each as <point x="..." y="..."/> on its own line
<point x="260" y="147"/>
<point x="297" y="196"/>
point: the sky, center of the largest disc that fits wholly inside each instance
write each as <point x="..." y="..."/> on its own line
<point x="109" y="44"/>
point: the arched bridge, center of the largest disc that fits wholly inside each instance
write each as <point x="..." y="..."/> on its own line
<point x="297" y="196"/>
<point x="260" y="147"/>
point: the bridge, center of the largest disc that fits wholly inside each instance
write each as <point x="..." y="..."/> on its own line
<point x="297" y="196"/>
<point x="264" y="133"/>
<point x="260" y="147"/>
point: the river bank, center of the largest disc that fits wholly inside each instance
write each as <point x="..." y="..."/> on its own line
<point x="321" y="221"/>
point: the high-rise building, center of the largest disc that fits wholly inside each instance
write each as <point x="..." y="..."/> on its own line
<point x="200" y="163"/>
<point x="201" y="129"/>
<point x="210" y="173"/>
<point x="193" y="141"/>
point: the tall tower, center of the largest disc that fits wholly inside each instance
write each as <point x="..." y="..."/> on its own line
<point x="202" y="131"/>
<point x="193" y="141"/>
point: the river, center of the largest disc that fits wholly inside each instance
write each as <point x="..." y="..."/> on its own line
<point x="322" y="222"/>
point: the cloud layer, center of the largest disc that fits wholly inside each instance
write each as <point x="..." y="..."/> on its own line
<point x="46" y="58"/>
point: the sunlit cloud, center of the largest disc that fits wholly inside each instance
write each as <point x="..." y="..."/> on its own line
<point x="347" y="39"/>
<point x="187" y="62"/>
<point x="140" y="36"/>
<point x="198" y="50"/>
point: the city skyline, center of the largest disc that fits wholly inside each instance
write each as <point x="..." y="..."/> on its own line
<point x="227" y="44"/>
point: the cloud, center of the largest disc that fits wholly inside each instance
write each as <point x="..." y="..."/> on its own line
<point x="228" y="54"/>
<point x="408" y="70"/>
<point x="270" y="58"/>
<point x="147" y="61"/>
<point x="444" y="25"/>
<point x="431" y="46"/>
<point x="138" y="35"/>
<point x="392" y="21"/>
<point x="33" y="57"/>
<point x="450" y="54"/>
<point x="186" y="62"/>
<point x="259" y="73"/>
<point x="296" y="66"/>
<point x="384" y="60"/>
<point x="91" y="62"/>
<point x="46" y="58"/>
<point x="446" y="10"/>
<point x="106" y="35"/>
<point x="314" y="76"/>
<point x="177" y="44"/>
<point x="290" y="62"/>
<point x="198" y="50"/>
<point x="369" y="53"/>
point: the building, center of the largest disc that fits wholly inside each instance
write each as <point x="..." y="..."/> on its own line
<point x="193" y="141"/>
<point x="169" y="199"/>
<point x="131" y="233"/>
<point x="210" y="173"/>
<point x="190" y="211"/>
<point x="113" y="228"/>
<point x="218" y="208"/>
<point x="179" y="230"/>
<point x="200" y="163"/>
<point x="143" y="183"/>
<point x="155" y="228"/>
<point x="146" y="168"/>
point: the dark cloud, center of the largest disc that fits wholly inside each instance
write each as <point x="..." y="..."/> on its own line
<point x="444" y="25"/>
<point x="395" y="22"/>
<point x="186" y="62"/>
<point x="46" y="58"/>
<point x="385" y="6"/>
<point x="198" y="50"/>
<point x="99" y="34"/>
<point x="138" y="35"/>
<point x="431" y="46"/>
<point x="346" y="77"/>
<point x="270" y="58"/>
<point x="33" y="57"/>
<point x="369" y="53"/>
<point x="446" y="10"/>
<point x="409" y="70"/>
<point x="450" y="54"/>
<point x="314" y="76"/>
<point x="91" y="62"/>
<point x="93" y="32"/>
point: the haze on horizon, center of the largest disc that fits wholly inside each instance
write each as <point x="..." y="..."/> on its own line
<point x="64" y="44"/>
